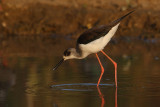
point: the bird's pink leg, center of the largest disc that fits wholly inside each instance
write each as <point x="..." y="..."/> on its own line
<point x="115" y="65"/>
<point x="102" y="70"/>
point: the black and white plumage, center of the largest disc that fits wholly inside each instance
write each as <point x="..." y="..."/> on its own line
<point x="92" y="41"/>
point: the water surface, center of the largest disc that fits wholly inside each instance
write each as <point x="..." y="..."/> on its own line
<point x="30" y="82"/>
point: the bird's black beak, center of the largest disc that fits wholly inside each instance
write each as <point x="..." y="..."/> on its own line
<point x="59" y="63"/>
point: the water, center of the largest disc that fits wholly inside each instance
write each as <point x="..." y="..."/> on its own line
<point x="30" y="82"/>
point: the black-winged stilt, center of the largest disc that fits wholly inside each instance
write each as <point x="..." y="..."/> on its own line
<point x="92" y="41"/>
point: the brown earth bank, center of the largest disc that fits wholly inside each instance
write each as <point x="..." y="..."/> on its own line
<point x="44" y="19"/>
<point x="41" y="28"/>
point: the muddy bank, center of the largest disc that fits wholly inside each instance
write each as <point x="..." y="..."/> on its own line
<point x="44" y="19"/>
<point x="37" y="28"/>
<point x="123" y="4"/>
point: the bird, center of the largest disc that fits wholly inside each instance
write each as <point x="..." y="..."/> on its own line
<point x="93" y="41"/>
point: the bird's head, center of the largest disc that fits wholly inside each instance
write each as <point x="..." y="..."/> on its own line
<point x="68" y="54"/>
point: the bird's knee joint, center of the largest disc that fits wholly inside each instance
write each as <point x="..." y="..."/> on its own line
<point x="102" y="69"/>
<point x="115" y="63"/>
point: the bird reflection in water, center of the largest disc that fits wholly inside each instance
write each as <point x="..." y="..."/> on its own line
<point x="102" y="98"/>
<point x="116" y="105"/>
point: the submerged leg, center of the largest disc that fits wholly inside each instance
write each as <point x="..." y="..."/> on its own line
<point x="115" y="65"/>
<point x="102" y="70"/>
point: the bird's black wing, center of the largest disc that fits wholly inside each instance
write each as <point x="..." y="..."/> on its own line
<point x="97" y="32"/>
<point x="115" y="22"/>
<point x="93" y="34"/>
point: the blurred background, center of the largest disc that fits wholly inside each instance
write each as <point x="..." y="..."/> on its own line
<point x="35" y="33"/>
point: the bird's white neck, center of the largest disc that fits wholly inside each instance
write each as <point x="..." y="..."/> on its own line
<point x="77" y="54"/>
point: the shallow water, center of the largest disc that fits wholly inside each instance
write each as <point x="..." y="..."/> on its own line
<point x="30" y="82"/>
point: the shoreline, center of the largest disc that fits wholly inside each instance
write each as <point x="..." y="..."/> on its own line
<point x="39" y="29"/>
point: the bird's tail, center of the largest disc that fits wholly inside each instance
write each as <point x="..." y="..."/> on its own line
<point x="119" y="19"/>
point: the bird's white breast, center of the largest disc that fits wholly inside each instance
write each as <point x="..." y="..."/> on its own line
<point x="98" y="44"/>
